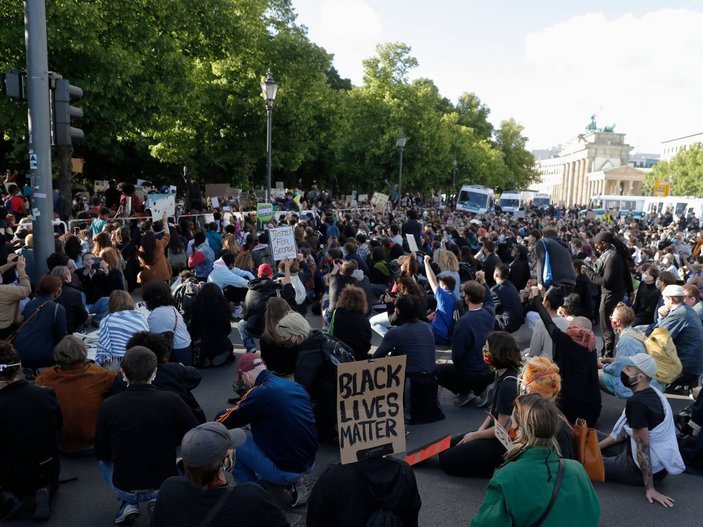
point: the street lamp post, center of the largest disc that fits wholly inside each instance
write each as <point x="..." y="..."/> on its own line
<point x="400" y="143"/>
<point x="453" y="195"/>
<point x="269" y="89"/>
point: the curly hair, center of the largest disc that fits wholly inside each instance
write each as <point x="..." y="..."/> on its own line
<point x="353" y="298"/>
<point x="542" y="376"/>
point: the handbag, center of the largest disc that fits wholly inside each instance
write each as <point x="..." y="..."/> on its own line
<point x="547" y="276"/>
<point x="588" y="451"/>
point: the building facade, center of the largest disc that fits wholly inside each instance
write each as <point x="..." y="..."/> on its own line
<point x="672" y="147"/>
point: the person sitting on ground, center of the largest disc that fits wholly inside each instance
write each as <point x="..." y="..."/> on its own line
<point x="71" y="299"/>
<point x="651" y="453"/>
<point x="574" y="352"/>
<point x="208" y="453"/>
<point x="647" y="296"/>
<point x="506" y="299"/>
<point x="123" y="321"/>
<point x="630" y="341"/>
<point x="231" y="280"/>
<point x="282" y="444"/>
<point x="404" y="285"/>
<point x="210" y="326"/>
<point x="11" y="295"/>
<point x="523" y="489"/>
<point x="692" y="298"/>
<point x="350" y="495"/>
<point x="278" y="359"/>
<point x="200" y="257"/>
<point x="164" y="317"/>
<point x="137" y="433"/>
<point x="448" y="265"/>
<point x="81" y="387"/>
<point x="478" y="453"/>
<point x="414" y="339"/>
<point x="468" y="375"/>
<point x="349" y="323"/>
<point x="30" y="437"/>
<point x="691" y="445"/>
<point x="339" y="278"/>
<point x="170" y="376"/>
<point x="43" y="327"/>
<point x="443" y="321"/>
<point x="541" y="344"/>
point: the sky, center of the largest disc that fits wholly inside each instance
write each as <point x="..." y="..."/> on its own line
<point x="549" y="64"/>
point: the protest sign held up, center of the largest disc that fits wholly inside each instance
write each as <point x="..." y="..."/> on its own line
<point x="370" y="413"/>
<point x="159" y="204"/>
<point x="282" y="242"/>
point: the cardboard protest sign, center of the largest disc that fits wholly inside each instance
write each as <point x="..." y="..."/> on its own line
<point x="370" y="413"/>
<point x="425" y="452"/>
<point x="362" y="198"/>
<point x="159" y="204"/>
<point x="279" y="185"/>
<point x="101" y="185"/>
<point x="412" y="242"/>
<point x="282" y="242"/>
<point x="379" y="201"/>
<point x="502" y="435"/>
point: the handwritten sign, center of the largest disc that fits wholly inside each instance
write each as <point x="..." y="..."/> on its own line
<point x="159" y="204"/>
<point x="370" y="414"/>
<point x="282" y="242"/>
<point x="502" y="435"/>
<point x="379" y="201"/>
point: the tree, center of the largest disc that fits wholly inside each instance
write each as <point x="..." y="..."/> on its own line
<point x="474" y="114"/>
<point x="518" y="160"/>
<point x="685" y="171"/>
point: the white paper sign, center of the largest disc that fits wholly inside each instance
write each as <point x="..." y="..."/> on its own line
<point x="412" y="243"/>
<point x="159" y="204"/>
<point x="282" y="242"/>
<point x="215" y="202"/>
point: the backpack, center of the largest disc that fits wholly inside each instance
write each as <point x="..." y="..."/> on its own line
<point x="662" y="349"/>
<point x="457" y="313"/>
<point x="336" y="351"/>
<point x="184" y="295"/>
<point x="466" y="272"/>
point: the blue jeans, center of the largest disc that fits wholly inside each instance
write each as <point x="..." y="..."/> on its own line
<point x="134" y="497"/>
<point x="100" y="309"/>
<point x="251" y="464"/>
<point x="247" y="338"/>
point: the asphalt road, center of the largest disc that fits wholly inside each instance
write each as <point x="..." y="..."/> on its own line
<point x="446" y="501"/>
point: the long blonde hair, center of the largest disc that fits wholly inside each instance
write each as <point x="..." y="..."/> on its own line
<point x="538" y="422"/>
<point x="446" y="260"/>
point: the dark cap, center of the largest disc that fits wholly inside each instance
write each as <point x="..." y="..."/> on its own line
<point x="208" y="443"/>
<point x="248" y="362"/>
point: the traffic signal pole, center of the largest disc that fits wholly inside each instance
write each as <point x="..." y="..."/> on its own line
<point x="39" y="118"/>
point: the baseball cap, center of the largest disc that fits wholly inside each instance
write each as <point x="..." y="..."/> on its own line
<point x="673" y="290"/>
<point x="645" y="363"/>
<point x="248" y="362"/>
<point x="264" y="270"/>
<point x="208" y="443"/>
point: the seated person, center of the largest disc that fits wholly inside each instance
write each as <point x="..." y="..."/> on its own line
<point x="541" y="343"/>
<point x="443" y="323"/>
<point x="691" y="446"/>
<point x="506" y="299"/>
<point x="210" y="326"/>
<point x="81" y="387"/>
<point x="208" y="451"/>
<point x="642" y="447"/>
<point x="415" y="340"/>
<point x="282" y="444"/>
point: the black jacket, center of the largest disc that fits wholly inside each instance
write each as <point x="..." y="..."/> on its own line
<point x="260" y="290"/>
<point x="559" y="259"/>
<point x="71" y="300"/>
<point x="645" y="304"/>
<point x="520" y="269"/>
<point x="488" y="266"/>
<point x="354" y="329"/>
<point x="347" y="495"/>
<point x="610" y="272"/>
<point x="508" y="306"/>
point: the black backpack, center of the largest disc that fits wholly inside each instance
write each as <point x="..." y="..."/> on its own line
<point x="383" y="518"/>
<point x="336" y="351"/>
<point x="184" y="295"/>
<point x="457" y="313"/>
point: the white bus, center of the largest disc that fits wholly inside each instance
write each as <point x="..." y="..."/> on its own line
<point x="678" y="205"/>
<point x="515" y="200"/>
<point x="475" y="198"/>
<point x="624" y="204"/>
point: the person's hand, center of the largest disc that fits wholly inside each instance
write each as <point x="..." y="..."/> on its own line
<point x="104" y="266"/>
<point x="481" y="277"/>
<point x="663" y="311"/>
<point x="427" y="259"/>
<point x="466" y="439"/>
<point x="287" y="263"/>
<point x="652" y="496"/>
<point x="12" y="259"/>
<point x="534" y="291"/>
<point x="20" y="263"/>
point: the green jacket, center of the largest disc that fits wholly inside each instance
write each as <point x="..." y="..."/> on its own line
<point x="520" y="490"/>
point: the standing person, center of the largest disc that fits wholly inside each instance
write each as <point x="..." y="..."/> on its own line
<point x="29" y="435"/>
<point x="468" y="375"/>
<point x="152" y="256"/>
<point x="534" y="481"/>
<point x="559" y="260"/>
<point x="208" y="453"/>
<point x="647" y="421"/>
<point x="412" y="227"/>
<point x="11" y="295"/>
<point x="282" y="444"/>
<point x="137" y="434"/>
<point x="165" y="317"/>
<point x="611" y="272"/>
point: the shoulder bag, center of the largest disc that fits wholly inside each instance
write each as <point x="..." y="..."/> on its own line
<point x="555" y="491"/>
<point x="588" y="451"/>
<point x="29" y="319"/>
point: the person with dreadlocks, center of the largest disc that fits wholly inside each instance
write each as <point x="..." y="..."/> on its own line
<point x="612" y="273"/>
<point x="534" y="486"/>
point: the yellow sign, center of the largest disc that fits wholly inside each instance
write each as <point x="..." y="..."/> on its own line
<point x="661" y="189"/>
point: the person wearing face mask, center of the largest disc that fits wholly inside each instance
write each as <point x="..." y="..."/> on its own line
<point x="282" y="444"/>
<point x="137" y="433"/>
<point x="647" y="296"/>
<point x="209" y="452"/>
<point x="642" y="447"/>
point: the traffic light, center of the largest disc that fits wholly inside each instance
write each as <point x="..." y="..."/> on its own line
<point x="63" y="112"/>
<point x="14" y="85"/>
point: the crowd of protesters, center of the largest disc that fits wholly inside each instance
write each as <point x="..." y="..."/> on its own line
<point x="420" y="275"/>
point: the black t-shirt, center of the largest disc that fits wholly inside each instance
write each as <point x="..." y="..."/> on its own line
<point x="644" y="409"/>
<point x="505" y="393"/>
<point x="182" y="504"/>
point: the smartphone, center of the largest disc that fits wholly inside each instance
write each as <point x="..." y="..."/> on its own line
<point x="96" y="263"/>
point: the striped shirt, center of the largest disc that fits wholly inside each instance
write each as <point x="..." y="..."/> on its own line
<point x="115" y="331"/>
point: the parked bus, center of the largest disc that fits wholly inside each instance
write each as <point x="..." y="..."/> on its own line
<point x="515" y="200"/>
<point x="624" y="204"/>
<point x="475" y="198"/>
<point x="678" y="205"/>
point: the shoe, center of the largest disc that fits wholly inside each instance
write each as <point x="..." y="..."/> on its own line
<point x="41" y="509"/>
<point x="464" y="398"/>
<point x="487" y="396"/>
<point x="300" y="492"/>
<point x="9" y="505"/>
<point x="150" y="506"/>
<point x="127" y="514"/>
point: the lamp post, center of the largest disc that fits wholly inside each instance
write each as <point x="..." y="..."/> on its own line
<point x="453" y="180"/>
<point x="400" y="143"/>
<point x="269" y="89"/>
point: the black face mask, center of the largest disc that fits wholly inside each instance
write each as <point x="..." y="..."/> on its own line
<point x="628" y="381"/>
<point x="288" y="344"/>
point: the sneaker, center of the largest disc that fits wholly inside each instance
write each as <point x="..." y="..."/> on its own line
<point x="464" y="398"/>
<point x="150" y="506"/>
<point x="127" y="514"/>
<point x="41" y="509"/>
<point x="9" y="505"/>
<point x="487" y="396"/>
<point x="300" y="492"/>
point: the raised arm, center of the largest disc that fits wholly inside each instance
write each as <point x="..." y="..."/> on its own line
<point x="431" y="278"/>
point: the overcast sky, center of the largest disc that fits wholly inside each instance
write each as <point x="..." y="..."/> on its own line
<point x="550" y="64"/>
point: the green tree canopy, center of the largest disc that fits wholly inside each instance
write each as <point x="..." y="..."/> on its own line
<point x="685" y="171"/>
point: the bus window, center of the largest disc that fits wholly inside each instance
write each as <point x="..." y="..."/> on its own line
<point x="680" y="209"/>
